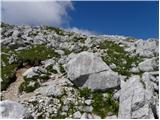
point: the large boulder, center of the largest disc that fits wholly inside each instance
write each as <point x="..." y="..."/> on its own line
<point x="134" y="100"/>
<point x="88" y="70"/>
<point x="13" y="110"/>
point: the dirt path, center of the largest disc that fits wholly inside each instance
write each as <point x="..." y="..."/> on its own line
<point x="12" y="93"/>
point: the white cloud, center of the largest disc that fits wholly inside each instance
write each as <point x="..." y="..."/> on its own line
<point x="36" y="12"/>
<point x="82" y="31"/>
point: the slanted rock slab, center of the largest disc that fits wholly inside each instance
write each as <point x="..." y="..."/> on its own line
<point x="86" y="69"/>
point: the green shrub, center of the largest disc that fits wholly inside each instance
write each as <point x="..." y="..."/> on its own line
<point x="8" y="75"/>
<point x="27" y="88"/>
<point x="85" y="92"/>
<point x="117" y="55"/>
<point x="37" y="53"/>
<point x="32" y="56"/>
<point x="8" y="71"/>
<point x="104" y="105"/>
<point x="51" y="70"/>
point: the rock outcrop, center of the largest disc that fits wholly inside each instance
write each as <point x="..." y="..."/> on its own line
<point x="88" y="70"/>
<point x="136" y="99"/>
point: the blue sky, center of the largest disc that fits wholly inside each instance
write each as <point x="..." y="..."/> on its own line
<point x="135" y="19"/>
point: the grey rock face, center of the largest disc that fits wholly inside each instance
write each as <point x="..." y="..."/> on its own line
<point x="148" y="65"/>
<point x="88" y="70"/>
<point x="50" y="91"/>
<point x="101" y="81"/>
<point x="54" y="88"/>
<point x="133" y="101"/>
<point x="13" y="110"/>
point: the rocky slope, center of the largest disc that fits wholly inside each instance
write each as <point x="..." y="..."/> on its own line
<point x="53" y="73"/>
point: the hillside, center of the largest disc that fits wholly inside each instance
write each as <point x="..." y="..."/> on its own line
<point x="52" y="73"/>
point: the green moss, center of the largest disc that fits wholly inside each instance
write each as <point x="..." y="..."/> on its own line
<point x="104" y="105"/>
<point x="85" y="92"/>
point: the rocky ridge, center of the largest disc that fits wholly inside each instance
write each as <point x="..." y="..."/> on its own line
<point x="70" y="75"/>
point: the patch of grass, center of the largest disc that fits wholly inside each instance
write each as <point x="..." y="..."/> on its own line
<point x="117" y="55"/>
<point x="104" y="105"/>
<point x="32" y="56"/>
<point x="35" y="54"/>
<point x="28" y="88"/>
<point x="8" y="75"/>
<point x="85" y="92"/>
<point x="8" y="71"/>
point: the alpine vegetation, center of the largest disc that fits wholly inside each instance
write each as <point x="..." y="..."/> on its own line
<point x="51" y="73"/>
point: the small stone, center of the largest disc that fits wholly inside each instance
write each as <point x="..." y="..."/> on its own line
<point x="112" y="66"/>
<point x="65" y="108"/>
<point x="88" y="102"/>
<point x="77" y="115"/>
<point x="88" y="108"/>
<point x="84" y="116"/>
<point x="134" y="70"/>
